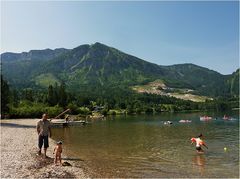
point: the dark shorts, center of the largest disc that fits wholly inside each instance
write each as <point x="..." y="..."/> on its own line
<point x="43" y="140"/>
<point x="198" y="148"/>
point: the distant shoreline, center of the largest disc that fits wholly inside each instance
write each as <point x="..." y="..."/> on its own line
<point x="18" y="154"/>
<point x="123" y="113"/>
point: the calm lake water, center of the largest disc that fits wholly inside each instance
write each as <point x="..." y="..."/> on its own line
<point x="142" y="146"/>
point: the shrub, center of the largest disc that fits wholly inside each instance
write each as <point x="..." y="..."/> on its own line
<point x="34" y="110"/>
<point x="84" y="110"/>
<point x="148" y="110"/>
<point x="73" y="108"/>
<point x="104" y="111"/>
<point x="53" y="111"/>
<point x="112" y="112"/>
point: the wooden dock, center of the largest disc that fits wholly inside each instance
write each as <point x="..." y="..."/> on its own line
<point x="64" y="123"/>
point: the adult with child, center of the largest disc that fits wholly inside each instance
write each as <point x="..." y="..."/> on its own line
<point x="43" y="131"/>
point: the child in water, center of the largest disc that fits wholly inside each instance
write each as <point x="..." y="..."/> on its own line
<point x="58" y="151"/>
<point x="199" y="143"/>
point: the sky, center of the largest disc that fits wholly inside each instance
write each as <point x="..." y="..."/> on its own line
<point x="204" y="33"/>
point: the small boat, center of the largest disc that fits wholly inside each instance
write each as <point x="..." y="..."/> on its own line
<point x="185" y="121"/>
<point x="64" y="123"/>
<point x="205" y="118"/>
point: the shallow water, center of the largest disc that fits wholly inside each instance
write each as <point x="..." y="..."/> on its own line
<point x="142" y="146"/>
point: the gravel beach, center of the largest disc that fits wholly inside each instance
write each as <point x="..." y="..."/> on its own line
<point x="19" y="149"/>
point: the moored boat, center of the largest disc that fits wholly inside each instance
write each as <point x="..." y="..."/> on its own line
<point x="63" y="122"/>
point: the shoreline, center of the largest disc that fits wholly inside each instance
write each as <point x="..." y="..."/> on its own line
<point x="18" y="154"/>
<point x="132" y="114"/>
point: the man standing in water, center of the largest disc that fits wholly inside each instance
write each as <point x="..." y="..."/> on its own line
<point x="199" y="143"/>
<point x="43" y="130"/>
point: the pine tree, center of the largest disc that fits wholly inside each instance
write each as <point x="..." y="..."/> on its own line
<point x="62" y="96"/>
<point x="28" y="95"/>
<point x="5" y="96"/>
<point x="56" y="94"/>
<point x="50" y="97"/>
<point x="14" y="97"/>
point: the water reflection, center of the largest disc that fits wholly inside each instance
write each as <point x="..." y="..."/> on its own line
<point x="199" y="161"/>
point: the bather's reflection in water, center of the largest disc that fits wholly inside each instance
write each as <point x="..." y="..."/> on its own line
<point x="199" y="161"/>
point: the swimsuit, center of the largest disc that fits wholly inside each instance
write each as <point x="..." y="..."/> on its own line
<point x="199" y="142"/>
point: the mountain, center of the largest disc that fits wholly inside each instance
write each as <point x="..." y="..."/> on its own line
<point x="33" y="55"/>
<point x="17" y="67"/>
<point x="203" y="80"/>
<point x="233" y="82"/>
<point x="101" y="65"/>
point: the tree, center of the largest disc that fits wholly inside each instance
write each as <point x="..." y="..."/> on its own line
<point x="56" y="94"/>
<point x="14" y="97"/>
<point x="50" y="97"/>
<point x="62" y="96"/>
<point x="130" y="109"/>
<point x="148" y="109"/>
<point x="28" y="94"/>
<point x="5" y="96"/>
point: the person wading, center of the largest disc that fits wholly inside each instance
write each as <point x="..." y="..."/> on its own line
<point x="199" y="143"/>
<point x="44" y="131"/>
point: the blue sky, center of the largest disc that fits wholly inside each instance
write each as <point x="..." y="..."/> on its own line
<point x="165" y="33"/>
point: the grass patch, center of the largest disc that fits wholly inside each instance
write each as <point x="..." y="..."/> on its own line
<point x="45" y="80"/>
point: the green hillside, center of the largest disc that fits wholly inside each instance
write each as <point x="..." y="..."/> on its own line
<point x="233" y="83"/>
<point x="88" y="66"/>
<point x="45" y="80"/>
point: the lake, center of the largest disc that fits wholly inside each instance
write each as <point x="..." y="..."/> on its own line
<point x="142" y="146"/>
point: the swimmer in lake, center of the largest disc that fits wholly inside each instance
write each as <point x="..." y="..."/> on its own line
<point x="199" y="143"/>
